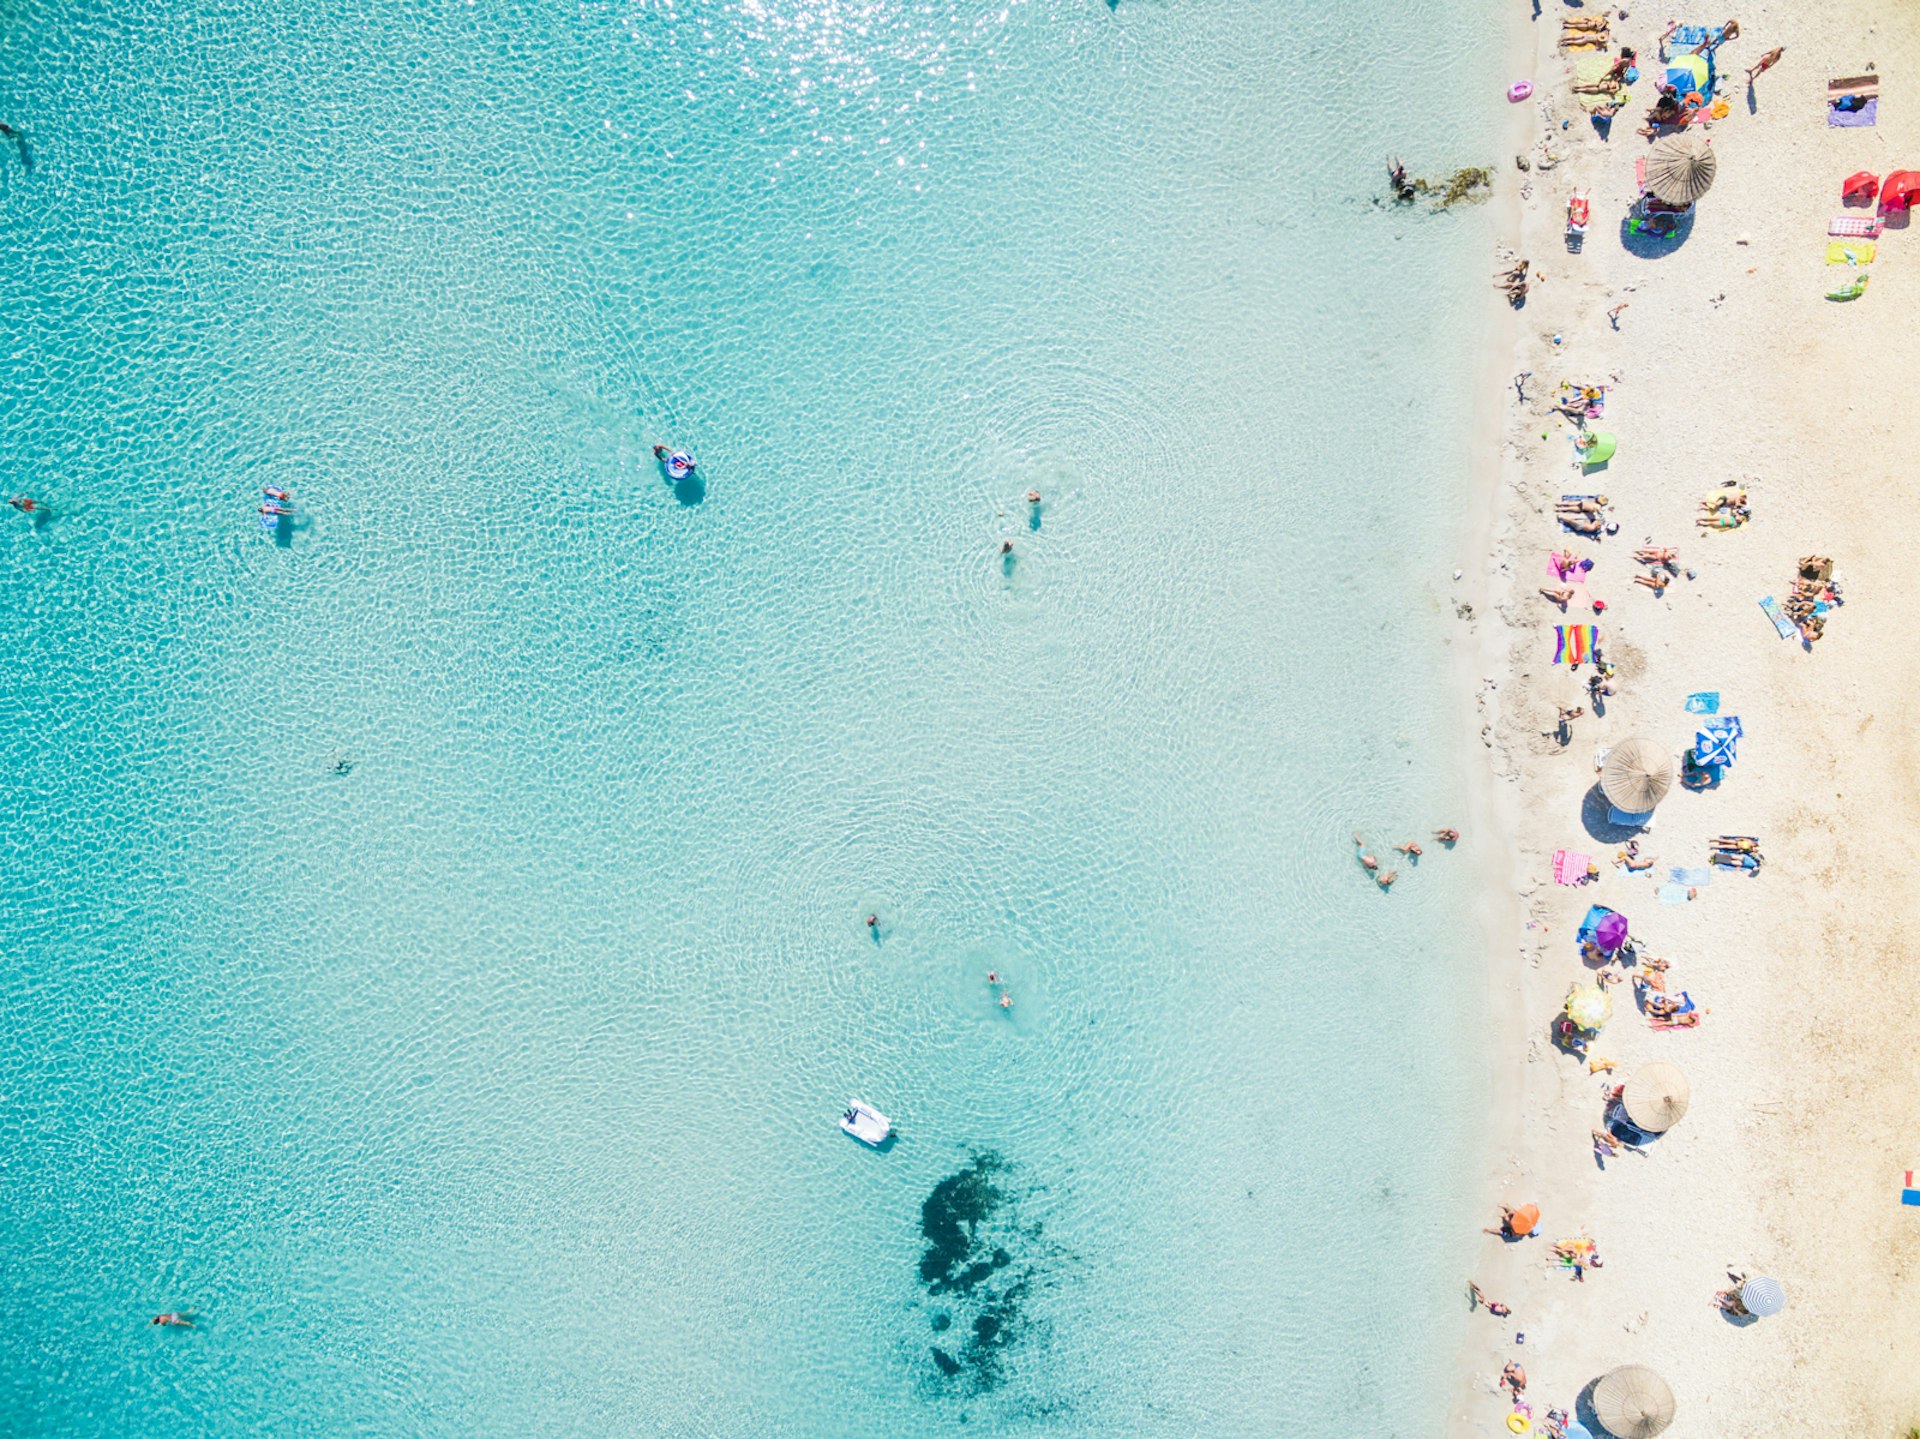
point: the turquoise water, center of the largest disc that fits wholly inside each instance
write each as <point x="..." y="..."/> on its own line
<point x="490" y="1086"/>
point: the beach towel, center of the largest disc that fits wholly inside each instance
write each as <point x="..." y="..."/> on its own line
<point x="1687" y="1016"/>
<point x="1850" y="292"/>
<point x="1851" y="252"/>
<point x="1570" y="866"/>
<point x="1706" y="702"/>
<point x="1909" y="1194"/>
<point x="1862" y="118"/>
<point x="1861" y="226"/>
<point x="1674" y="894"/>
<point x="1574" y="644"/>
<point x="1779" y="617"/>
<point x="1693" y="877"/>
<point x="1692" y="37"/>
<point x="1590" y="69"/>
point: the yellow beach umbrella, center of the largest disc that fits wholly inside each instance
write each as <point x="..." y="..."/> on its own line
<point x="1589" y="1005"/>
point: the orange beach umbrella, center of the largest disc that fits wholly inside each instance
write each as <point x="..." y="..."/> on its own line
<point x="1525" y="1219"/>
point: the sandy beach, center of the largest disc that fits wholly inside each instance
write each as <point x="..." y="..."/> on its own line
<point x="1728" y="364"/>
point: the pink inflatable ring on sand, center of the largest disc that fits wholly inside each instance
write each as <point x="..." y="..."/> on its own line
<point x="1519" y="90"/>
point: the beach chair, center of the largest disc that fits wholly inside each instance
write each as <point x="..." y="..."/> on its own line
<point x="1577" y="213"/>
<point x="1860" y="188"/>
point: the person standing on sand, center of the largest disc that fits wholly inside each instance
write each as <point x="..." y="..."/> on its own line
<point x="1767" y="62"/>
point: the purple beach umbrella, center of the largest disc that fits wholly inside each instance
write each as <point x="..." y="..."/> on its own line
<point x="1611" y="932"/>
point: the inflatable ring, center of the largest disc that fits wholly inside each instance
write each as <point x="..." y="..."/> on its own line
<point x="1519" y="90"/>
<point x="1518" y="1422"/>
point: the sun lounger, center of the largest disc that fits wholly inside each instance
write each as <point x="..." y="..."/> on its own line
<point x="1779" y="617"/>
<point x="1864" y="227"/>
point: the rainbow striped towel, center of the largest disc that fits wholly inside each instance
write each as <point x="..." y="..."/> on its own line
<point x="1575" y="644"/>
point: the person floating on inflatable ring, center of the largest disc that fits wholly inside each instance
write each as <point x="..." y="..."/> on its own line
<point x="679" y="463"/>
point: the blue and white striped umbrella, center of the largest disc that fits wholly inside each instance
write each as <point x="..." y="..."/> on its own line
<point x="1763" y="1296"/>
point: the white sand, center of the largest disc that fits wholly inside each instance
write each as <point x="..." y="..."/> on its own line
<point x="1729" y="364"/>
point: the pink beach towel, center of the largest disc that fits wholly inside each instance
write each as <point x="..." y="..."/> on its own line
<point x="1570" y="866"/>
<point x="1862" y="227"/>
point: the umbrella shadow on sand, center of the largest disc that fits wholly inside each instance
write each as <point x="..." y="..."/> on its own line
<point x="1594" y="811"/>
<point x="1643" y="245"/>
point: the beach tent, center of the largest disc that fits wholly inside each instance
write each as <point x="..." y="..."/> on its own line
<point x="1633" y="1402"/>
<point x="1656" y="1097"/>
<point x="1636" y="776"/>
<point x="1901" y="190"/>
<point x="1863" y="185"/>
<point x="1680" y="168"/>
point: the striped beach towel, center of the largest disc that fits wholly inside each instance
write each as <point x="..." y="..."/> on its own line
<point x="1570" y="866"/>
<point x="1575" y="644"/>
<point x="1864" y="227"/>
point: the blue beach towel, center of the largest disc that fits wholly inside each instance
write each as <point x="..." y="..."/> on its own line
<point x="1707" y="702"/>
<point x="1674" y="894"/>
<point x="1693" y="877"/>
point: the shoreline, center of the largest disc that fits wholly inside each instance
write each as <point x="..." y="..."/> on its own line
<point x="1763" y="1175"/>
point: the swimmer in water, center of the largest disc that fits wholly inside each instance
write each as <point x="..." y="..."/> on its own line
<point x="1006" y="1001"/>
<point x="284" y="496"/>
<point x="175" y="1318"/>
<point x="24" y="504"/>
<point x="993" y="976"/>
<point x="1006" y="547"/>
<point x="1447" y="836"/>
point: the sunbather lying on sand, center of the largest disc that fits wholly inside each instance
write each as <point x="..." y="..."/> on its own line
<point x="1583" y="524"/>
<point x="1584" y="22"/>
<point x="1648" y="555"/>
<point x="1662" y="1006"/>
<point x="1591" y="506"/>
<point x="1726" y="497"/>
<point x="1634" y="862"/>
<point x="1493" y="1306"/>
<point x="1739" y="843"/>
<point x="1723" y="519"/>
<point x="1604" y="1143"/>
<point x="1561" y="597"/>
<point x="1657" y="583"/>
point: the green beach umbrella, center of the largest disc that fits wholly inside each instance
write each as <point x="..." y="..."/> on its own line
<point x="1599" y="448"/>
<point x="1633" y="1402"/>
<point x="1680" y="168"/>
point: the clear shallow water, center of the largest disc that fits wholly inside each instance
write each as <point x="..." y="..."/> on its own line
<point x="492" y="1084"/>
